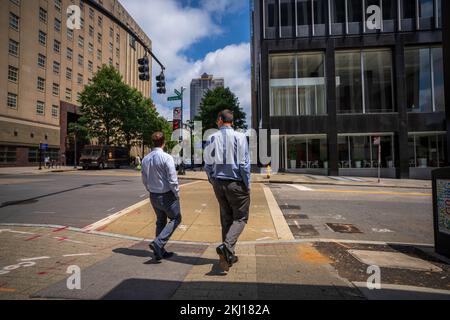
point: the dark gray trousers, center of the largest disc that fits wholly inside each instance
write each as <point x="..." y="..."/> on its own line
<point x="166" y="206"/>
<point x="234" y="202"/>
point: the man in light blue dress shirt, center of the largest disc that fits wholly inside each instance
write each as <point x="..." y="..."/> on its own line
<point x="227" y="164"/>
<point x="160" y="179"/>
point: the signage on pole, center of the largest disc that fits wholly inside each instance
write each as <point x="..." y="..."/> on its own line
<point x="43" y="146"/>
<point x="177" y="114"/>
<point x="175" y="98"/>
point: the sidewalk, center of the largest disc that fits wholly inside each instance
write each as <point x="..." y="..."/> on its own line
<point x="34" y="262"/>
<point x="33" y="170"/>
<point x="289" y="178"/>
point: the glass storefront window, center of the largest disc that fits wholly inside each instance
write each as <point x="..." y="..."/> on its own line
<point x="424" y="79"/>
<point x="426" y="14"/>
<point x="378" y="79"/>
<point x="271" y="19"/>
<point x="348" y="82"/>
<point x="427" y="150"/>
<point x="389" y="15"/>
<point x="367" y="74"/>
<point x="311" y="84"/>
<point x="338" y="16"/>
<point x="359" y="151"/>
<point x="287" y="18"/>
<point x="304" y="20"/>
<point x="307" y="152"/>
<point x="7" y="155"/>
<point x="297" y="84"/>
<point x="354" y="16"/>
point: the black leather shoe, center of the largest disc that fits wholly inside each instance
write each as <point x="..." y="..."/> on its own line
<point x="168" y="255"/>
<point x="156" y="251"/>
<point x="225" y="257"/>
<point x="235" y="259"/>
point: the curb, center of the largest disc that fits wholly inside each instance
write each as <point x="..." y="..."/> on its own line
<point x="320" y="183"/>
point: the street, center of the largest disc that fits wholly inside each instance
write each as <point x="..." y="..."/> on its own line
<point x="74" y="200"/>
<point x="379" y="214"/>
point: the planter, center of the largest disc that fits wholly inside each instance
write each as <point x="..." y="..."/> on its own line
<point x="293" y="164"/>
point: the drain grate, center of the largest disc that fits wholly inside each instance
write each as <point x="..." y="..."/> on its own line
<point x="295" y="216"/>
<point x="343" y="228"/>
<point x="289" y="207"/>
<point x="303" y="230"/>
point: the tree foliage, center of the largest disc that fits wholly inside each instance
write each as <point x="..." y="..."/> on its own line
<point x="218" y="100"/>
<point x="115" y="113"/>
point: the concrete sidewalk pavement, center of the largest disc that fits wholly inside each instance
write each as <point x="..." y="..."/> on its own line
<point x="34" y="261"/>
<point x="290" y="178"/>
<point x="34" y="170"/>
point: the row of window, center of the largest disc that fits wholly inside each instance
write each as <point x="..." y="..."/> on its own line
<point x="12" y="102"/>
<point x="364" y="82"/>
<point x="302" y="18"/>
<point x="359" y="151"/>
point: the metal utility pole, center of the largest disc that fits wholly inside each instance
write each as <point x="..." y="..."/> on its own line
<point x="75" y="149"/>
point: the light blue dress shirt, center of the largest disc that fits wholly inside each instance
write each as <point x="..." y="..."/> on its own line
<point x="159" y="174"/>
<point x="227" y="156"/>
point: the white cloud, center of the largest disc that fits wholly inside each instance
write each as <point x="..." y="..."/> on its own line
<point x="173" y="29"/>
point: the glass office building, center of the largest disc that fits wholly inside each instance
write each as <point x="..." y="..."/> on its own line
<point x="338" y="76"/>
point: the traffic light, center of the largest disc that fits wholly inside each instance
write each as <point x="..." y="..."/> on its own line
<point x="161" y="83"/>
<point x="176" y="125"/>
<point x="144" y="69"/>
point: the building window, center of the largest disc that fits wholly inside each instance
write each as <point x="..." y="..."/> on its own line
<point x="12" y="100"/>
<point x="57" y="46"/>
<point x="80" y="60"/>
<point x="13" y="48"/>
<point x="111" y="32"/>
<point x="69" y="94"/>
<point x="41" y="84"/>
<point x="58" y="5"/>
<point x="91" y="13"/>
<point x="306" y="152"/>
<point x="359" y="151"/>
<point x="69" y="74"/>
<point x="16" y="2"/>
<point x="55" y="111"/>
<point x="81" y="42"/>
<point x="297" y="84"/>
<point x="91" y="31"/>
<point x="118" y="53"/>
<point x="13" y="21"/>
<point x="427" y="149"/>
<point x="40" y="108"/>
<point x="100" y="21"/>
<point x="132" y="42"/>
<point x="82" y="23"/>
<point x="90" y="66"/>
<point x="7" y="155"/>
<point x="99" y="54"/>
<point x="42" y="15"/>
<point x="55" y="89"/>
<point x="80" y="79"/>
<point x="69" y="54"/>
<point x="41" y="60"/>
<point x="110" y="47"/>
<point x="90" y="48"/>
<point x="56" y="67"/>
<point x="69" y="34"/>
<point x="364" y="81"/>
<point x="13" y="74"/>
<point x="57" y="25"/>
<point x="424" y="80"/>
<point x="99" y="38"/>
<point x="117" y="38"/>
<point x="110" y="61"/>
<point x="42" y="38"/>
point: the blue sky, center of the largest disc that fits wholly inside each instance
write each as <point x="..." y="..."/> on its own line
<point x="192" y="37"/>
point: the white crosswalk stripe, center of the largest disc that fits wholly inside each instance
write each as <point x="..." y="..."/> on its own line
<point x="301" y="188"/>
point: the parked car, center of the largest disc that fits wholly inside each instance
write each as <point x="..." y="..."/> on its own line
<point x="102" y="157"/>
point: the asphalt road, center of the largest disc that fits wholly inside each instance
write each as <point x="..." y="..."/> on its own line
<point x="75" y="200"/>
<point x="380" y="214"/>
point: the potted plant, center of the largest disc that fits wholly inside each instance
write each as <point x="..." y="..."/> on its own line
<point x="293" y="159"/>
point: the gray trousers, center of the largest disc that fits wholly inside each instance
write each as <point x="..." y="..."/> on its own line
<point x="234" y="202"/>
<point x="166" y="206"/>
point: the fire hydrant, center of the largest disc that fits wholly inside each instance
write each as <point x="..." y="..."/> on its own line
<point x="268" y="171"/>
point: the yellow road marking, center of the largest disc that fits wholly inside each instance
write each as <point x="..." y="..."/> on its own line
<point x="414" y="194"/>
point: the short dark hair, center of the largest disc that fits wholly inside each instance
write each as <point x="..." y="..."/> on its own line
<point x="158" y="139"/>
<point x="226" y="116"/>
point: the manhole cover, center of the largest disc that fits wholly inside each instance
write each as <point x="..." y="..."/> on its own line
<point x="295" y="216"/>
<point x="302" y="230"/>
<point x="289" y="207"/>
<point x="343" y="228"/>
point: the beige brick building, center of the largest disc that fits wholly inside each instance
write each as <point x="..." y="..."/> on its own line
<point x="44" y="65"/>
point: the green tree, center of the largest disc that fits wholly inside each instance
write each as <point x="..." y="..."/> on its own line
<point x="217" y="100"/>
<point x="101" y="102"/>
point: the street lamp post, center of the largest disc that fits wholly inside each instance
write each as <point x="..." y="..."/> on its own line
<point x="190" y="124"/>
<point x="75" y="149"/>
